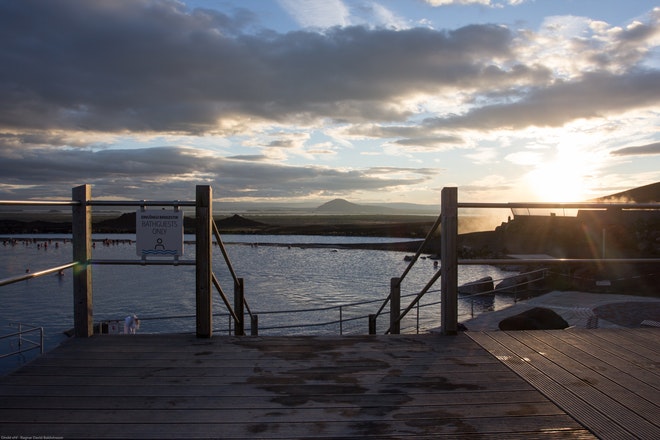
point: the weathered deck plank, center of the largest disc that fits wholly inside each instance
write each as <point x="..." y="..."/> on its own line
<point x="499" y="427"/>
<point x="173" y="386"/>
<point x="618" y="384"/>
<point x="597" y="344"/>
<point x="601" y="377"/>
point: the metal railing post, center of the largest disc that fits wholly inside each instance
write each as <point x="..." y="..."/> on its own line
<point x="203" y="256"/>
<point x="395" y="306"/>
<point x="81" y="228"/>
<point x="449" y="260"/>
<point x="239" y="307"/>
<point x="341" y="321"/>
<point x="372" y="324"/>
<point x="254" y="325"/>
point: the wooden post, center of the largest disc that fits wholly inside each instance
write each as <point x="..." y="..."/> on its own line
<point x="203" y="266"/>
<point x="239" y="307"/>
<point x="372" y="324"/>
<point x="449" y="261"/>
<point x="81" y="228"/>
<point x="395" y="306"/>
<point x="254" y="325"/>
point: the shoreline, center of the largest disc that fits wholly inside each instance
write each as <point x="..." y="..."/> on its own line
<point x="405" y="245"/>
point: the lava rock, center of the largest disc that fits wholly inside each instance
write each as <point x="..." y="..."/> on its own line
<point x="538" y="318"/>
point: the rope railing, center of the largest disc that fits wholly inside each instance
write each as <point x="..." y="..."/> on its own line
<point x="435" y="277"/>
<point x="340" y="308"/>
<point x="524" y="282"/>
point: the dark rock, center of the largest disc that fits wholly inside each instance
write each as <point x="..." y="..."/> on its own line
<point x="481" y="285"/>
<point x="538" y="318"/>
<point x="513" y="284"/>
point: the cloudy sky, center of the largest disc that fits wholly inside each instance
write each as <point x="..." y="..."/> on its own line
<point x="310" y="100"/>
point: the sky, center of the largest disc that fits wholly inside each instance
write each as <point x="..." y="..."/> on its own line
<point x="294" y="101"/>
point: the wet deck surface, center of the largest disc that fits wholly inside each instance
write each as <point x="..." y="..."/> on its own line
<point x="608" y="379"/>
<point x="423" y="386"/>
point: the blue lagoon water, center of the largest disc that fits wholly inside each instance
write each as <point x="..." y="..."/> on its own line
<point x="278" y="280"/>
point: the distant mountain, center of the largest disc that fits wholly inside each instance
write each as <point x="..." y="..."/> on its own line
<point x="643" y="194"/>
<point x="341" y="206"/>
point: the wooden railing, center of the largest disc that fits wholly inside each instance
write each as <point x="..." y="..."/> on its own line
<point x="83" y="260"/>
<point x="205" y="280"/>
<point x="448" y="273"/>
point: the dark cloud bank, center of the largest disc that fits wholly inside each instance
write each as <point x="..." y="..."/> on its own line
<point x="129" y="67"/>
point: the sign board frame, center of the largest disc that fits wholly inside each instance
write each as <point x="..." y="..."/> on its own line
<point x="159" y="233"/>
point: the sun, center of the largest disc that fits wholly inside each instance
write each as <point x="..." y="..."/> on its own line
<point x="558" y="181"/>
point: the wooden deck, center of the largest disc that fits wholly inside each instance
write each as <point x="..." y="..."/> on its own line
<point x="552" y="384"/>
<point x="608" y="379"/>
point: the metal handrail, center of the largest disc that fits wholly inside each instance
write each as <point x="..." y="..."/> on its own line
<point x="514" y="261"/>
<point x="412" y="261"/>
<point x="20" y="334"/>
<point x="419" y="296"/>
<point x="512" y="205"/>
<point x="98" y="203"/>
<point x="143" y="262"/>
<point x="175" y="203"/>
<point x="218" y="239"/>
<point x="230" y="267"/>
<point x="504" y="289"/>
<point x="39" y="203"/>
<point x="216" y="283"/>
<point x="120" y="262"/>
<point x="31" y="275"/>
<point x="564" y="205"/>
<point x="421" y="248"/>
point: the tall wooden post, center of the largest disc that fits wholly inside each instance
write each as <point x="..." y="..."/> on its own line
<point x="239" y="307"/>
<point x="449" y="261"/>
<point x="203" y="255"/>
<point x="81" y="228"/>
<point x="395" y="306"/>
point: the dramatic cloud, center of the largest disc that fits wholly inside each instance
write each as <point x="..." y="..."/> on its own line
<point x="595" y="95"/>
<point x="151" y="67"/>
<point x="154" y="94"/>
<point x="176" y="170"/>
<point x="653" y="148"/>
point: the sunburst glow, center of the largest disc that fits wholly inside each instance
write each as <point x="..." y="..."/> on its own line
<point x="559" y="181"/>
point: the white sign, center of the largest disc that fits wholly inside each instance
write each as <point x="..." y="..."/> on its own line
<point x="159" y="233"/>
